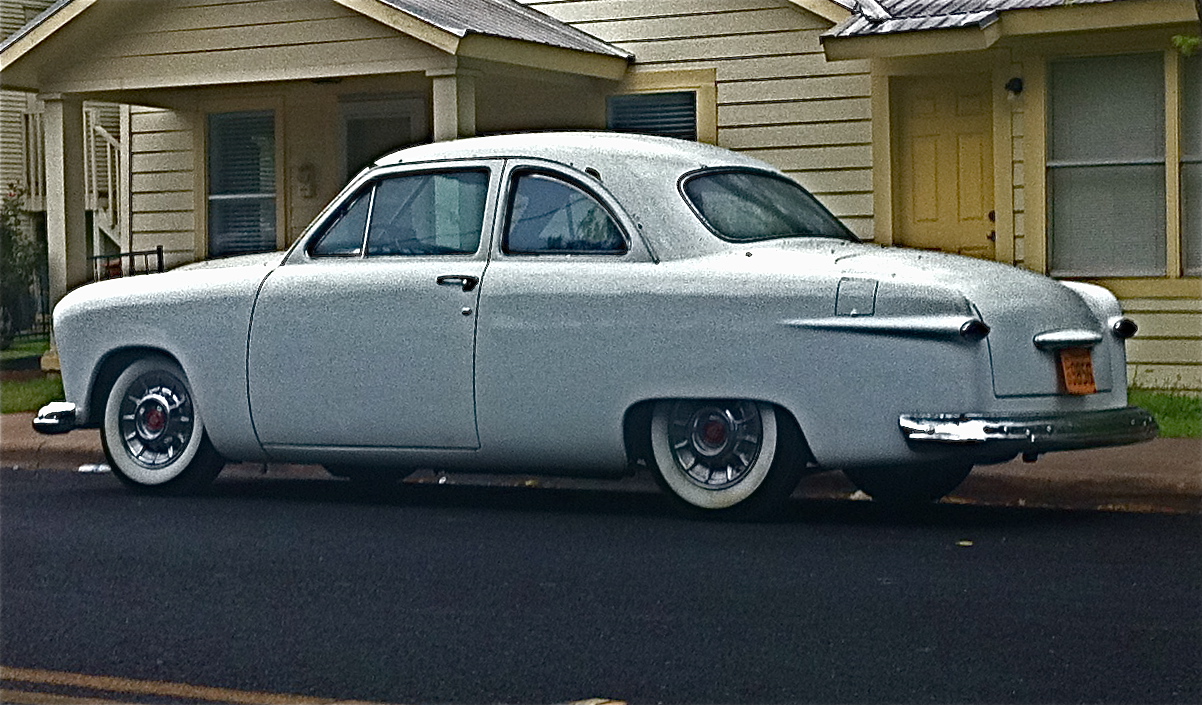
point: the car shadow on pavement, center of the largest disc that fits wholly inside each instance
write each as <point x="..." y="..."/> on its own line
<point x="597" y="500"/>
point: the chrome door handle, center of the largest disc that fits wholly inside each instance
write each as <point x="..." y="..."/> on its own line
<point x="467" y="281"/>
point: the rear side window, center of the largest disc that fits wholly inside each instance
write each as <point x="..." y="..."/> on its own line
<point x="548" y="215"/>
<point x="749" y="206"/>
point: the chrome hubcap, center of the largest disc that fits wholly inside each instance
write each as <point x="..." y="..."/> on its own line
<point x="156" y="420"/>
<point x="715" y="444"/>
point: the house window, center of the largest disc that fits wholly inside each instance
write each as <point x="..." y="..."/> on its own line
<point x="1191" y="163"/>
<point x="242" y="183"/>
<point x="1106" y="166"/>
<point x="670" y="114"/>
<point x="373" y="126"/>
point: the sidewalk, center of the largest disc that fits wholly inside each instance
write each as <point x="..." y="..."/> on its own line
<point x="1163" y="475"/>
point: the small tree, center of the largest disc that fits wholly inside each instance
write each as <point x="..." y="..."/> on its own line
<point x="22" y="259"/>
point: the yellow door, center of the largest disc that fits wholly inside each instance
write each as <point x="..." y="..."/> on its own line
<point x="944" y="164"/>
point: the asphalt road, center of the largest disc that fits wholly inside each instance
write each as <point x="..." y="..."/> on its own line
<point x="517" y="595"/>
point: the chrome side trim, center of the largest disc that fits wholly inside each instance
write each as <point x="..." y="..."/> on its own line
<point x="1034" y="433"/>
<point x="56" y="417"/>
<point x="911" y="326"/>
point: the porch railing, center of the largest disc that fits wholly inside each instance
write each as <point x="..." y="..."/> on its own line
<point x="127" y="263"/>
<point x="102" y="183"/>
<point x="35" y="161"/>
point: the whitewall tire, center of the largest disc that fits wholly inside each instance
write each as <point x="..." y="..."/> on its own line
<point x="152" y="432"/>
<point x="725" y="458"/>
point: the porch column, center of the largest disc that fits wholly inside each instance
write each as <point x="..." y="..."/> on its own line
<point x="454" y="103"/>
<point x="66" y="226"/>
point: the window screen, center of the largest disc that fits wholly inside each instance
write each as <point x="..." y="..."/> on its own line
<point x="242" y="199"/>
<point x="664" y="114"/>
<point x="1191" y="163"/>
<point x="1106" y="166"/>
<point x="548" y="215"/>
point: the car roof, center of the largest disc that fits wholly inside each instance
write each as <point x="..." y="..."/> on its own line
<point x="580" y="149"/>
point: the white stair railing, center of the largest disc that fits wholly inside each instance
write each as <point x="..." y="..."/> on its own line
<point x="102" y="184"/>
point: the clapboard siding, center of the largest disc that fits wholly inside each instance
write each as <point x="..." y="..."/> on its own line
<point x="257" y="40"/>
<point x="13" y="16"/>
<point x="779" y="99"/>
<point x="1165" y="352"/>
<point x="163" y="180"/>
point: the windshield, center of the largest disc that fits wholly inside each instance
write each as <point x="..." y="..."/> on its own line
<point x="749" y="206"/>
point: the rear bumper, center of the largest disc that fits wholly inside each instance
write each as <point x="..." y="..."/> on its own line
<point x="1036" y="433"/>
<point x="54" y="418"/>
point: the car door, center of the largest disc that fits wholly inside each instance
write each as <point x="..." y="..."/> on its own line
<point x="366" y="336"/>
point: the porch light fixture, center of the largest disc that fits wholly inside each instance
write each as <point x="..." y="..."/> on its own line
<point x="1014" y="85"/>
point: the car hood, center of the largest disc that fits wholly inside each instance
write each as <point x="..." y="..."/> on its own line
<point x="263" y="259"/>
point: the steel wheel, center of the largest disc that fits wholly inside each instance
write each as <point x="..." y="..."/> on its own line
<point x="724" y="456"/>
<point x="153" y="434"/>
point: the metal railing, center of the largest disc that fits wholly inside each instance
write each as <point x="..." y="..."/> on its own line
<point x="125" y="264"/>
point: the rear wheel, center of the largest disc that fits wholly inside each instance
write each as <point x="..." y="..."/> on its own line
<point x="734" y="459"/>
<point x="153" y="434"/>
<point x="908" y="485"/>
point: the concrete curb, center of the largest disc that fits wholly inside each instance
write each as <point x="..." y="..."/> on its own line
<point x="1164" y="475"/>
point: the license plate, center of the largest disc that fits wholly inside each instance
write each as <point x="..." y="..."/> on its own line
<point x="1076" y="371"/>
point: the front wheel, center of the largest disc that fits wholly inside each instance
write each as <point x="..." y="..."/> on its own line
<point x="908" y="485"/>
<point x="734" y="459"/>
<point x="153" y="435"/>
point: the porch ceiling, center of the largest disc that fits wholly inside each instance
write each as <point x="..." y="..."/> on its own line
<point x="125" y="46"/>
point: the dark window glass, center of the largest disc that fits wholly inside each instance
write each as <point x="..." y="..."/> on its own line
<point x="343" y="236"/>
<point x="671" y="114"/>
<point x="242" y="189"/>
<point x="747" y="206"/>
<point x="428" y="214"/>
<point x="548" y="215"/>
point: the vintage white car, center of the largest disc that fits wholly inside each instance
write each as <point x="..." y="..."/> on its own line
<point x="593" y="304"/>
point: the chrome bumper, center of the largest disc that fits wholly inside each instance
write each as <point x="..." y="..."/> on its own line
<point x="1034" y="433"/>
<point x="55" y="417"/>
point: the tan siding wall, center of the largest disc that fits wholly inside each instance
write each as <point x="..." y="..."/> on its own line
<point x="1167" y="352"/>
<point x="13" y="16"/>
<point x="243" y="40"/>
<point x="778" y="97"/>
<point x="163" y="166"/>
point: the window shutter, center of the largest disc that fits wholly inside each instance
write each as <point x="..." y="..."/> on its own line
<point x="664" y="114"/>
<point x="242" y="183"/>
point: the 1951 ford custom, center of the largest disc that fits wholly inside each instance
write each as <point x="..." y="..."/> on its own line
<point x="592" y="304"/>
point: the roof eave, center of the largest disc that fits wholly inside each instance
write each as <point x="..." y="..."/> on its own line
<point x="544" y="56"/>
<point x="916" y="43"/>
<point x="828" y="10"/>
<point x="1026" y="22"/>
<point x="25" y="40"/>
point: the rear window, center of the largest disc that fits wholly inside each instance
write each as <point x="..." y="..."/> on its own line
<point x="750" y="206"/>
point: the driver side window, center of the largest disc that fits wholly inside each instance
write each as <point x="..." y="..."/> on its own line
<point x="432" y="213"/>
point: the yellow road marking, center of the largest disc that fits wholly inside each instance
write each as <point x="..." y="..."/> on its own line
<point x="162" y="688"/>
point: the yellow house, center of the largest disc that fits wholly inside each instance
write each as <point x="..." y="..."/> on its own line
<point x="1059" y="136"/>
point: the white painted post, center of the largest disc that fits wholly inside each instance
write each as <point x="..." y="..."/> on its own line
<point x="454" y="94"/>
<point x="66" y="232"/>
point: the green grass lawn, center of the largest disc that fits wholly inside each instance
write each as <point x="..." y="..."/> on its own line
<point x="25" y="347"/>
<point x="1179" y="415"/>
<point x="30" y="395"/>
